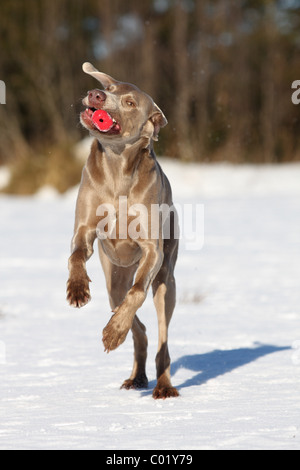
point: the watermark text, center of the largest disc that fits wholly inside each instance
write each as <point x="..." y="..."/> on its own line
<point x="296" y="94"/>
<point x="296" y="353"/>
<point x="2" y="92"/>
<point x="140" y="222"/>
<point x="2" y="353"/>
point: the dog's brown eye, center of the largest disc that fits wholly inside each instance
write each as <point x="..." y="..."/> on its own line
<point x="131" y="104"/>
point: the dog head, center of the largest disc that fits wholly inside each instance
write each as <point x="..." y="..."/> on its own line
<point x="121" y="111"/>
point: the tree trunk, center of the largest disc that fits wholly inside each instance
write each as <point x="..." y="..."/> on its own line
<point x="181" y="101"/>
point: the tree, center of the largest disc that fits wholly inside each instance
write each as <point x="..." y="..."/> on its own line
<point x="221" y="71"/>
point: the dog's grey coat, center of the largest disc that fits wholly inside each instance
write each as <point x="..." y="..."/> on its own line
<point x="122" y="163"/>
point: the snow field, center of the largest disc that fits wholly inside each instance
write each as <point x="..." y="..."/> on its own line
<point x="234" y="337"/>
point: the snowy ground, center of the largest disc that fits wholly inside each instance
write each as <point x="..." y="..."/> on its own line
<point x="234" y="337"/>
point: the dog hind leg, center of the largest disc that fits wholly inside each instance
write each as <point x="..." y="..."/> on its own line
<point x="164" y="293"/>
<point x="138" y="378"/>
<point x="118" y="281"/>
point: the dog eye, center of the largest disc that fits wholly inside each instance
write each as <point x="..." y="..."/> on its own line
<point x="130" y="103"/>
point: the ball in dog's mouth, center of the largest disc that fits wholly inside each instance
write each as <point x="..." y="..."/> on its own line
<point x="102" y="120"/>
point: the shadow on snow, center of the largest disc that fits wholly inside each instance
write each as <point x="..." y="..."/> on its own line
<point x="215" y="363"/>
<point x="210" y="365"/>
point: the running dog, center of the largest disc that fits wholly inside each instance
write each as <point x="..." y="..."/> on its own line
<point x="125" y="121"/>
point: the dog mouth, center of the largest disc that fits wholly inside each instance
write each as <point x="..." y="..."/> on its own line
<point x="100" y="120"/>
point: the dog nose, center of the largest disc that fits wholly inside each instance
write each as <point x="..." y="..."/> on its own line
<point x="96" y="97"/>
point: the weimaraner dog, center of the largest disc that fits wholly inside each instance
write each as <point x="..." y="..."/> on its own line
<point x="122" y="166"/>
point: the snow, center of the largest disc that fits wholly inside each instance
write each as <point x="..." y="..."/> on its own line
<point x="234" y="337"/>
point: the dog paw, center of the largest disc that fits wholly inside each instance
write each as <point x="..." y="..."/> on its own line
<point x="165" y="392"/>
<point x="112" y="338"/>
<point x="78" y="292"/>
<point x="114" y="334"/>
<point x="140" y="381"/>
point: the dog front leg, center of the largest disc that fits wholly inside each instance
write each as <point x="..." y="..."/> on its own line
<point x="78" y="291"/>
<point x="120" y="323"/>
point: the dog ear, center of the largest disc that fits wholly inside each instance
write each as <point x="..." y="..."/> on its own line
<point x="103" y="78"/>
<point x="158" y="120"/>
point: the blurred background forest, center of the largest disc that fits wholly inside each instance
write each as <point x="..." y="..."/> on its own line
<point x="221" y="70"/>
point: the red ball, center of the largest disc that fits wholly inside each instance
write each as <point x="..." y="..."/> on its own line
<point x="102" y="120"/>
